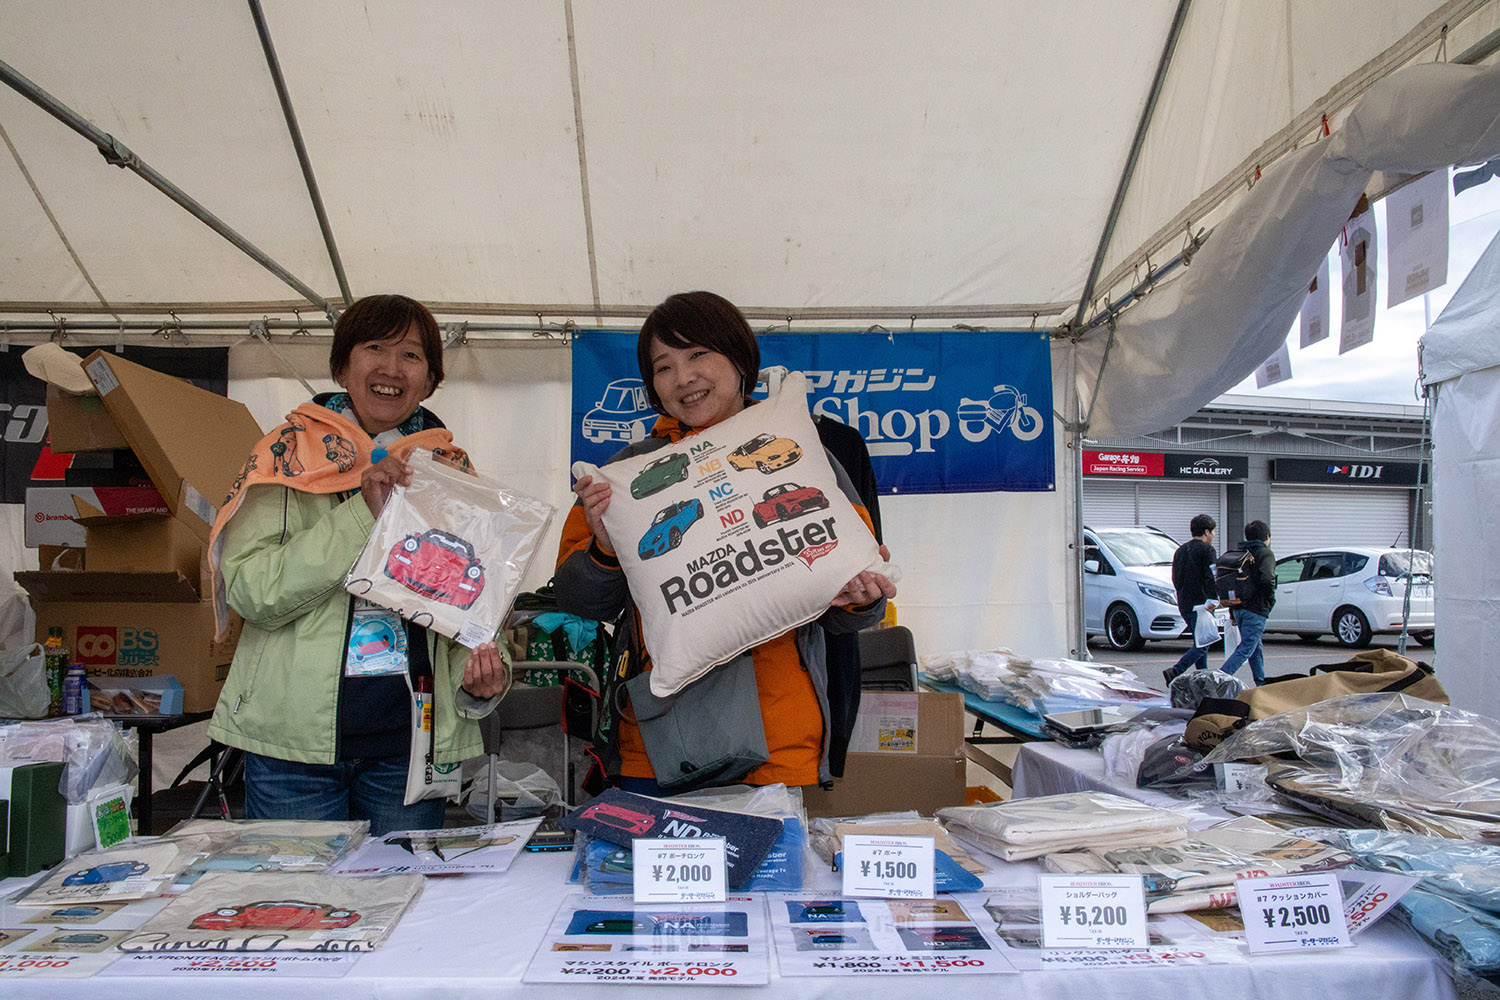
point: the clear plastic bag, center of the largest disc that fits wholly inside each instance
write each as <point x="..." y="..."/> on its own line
<point x="23" y="683"/>
<point x="1190" y="687"/>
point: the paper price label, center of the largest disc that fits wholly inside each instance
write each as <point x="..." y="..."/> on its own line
<point x="1236" y="777"/>
<point x="1093" y="911"/>
<point x="1296" y="913"/>
<point x="1368" y="895"/>
<point x="888" y="867"/>
<point x="679" y="871"/>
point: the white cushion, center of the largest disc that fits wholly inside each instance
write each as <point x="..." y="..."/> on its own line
<point x="733" y="536"/>
<point x="449" y="550"/>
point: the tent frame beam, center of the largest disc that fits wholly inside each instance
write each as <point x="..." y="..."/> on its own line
<point x="118" y="154"/>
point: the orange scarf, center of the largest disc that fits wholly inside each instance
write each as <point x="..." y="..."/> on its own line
<point x="316" y="451"/>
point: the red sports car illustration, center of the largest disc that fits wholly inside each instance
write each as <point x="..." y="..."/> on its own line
<point x="786" y="501"/>
<point x="438" y="565"/>
<point x="620" y="817"/>
<point x="286" y="915"/>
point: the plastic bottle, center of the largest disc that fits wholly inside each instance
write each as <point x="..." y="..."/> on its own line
<point x="75" y="693"/>
<point x="55" y="656"/>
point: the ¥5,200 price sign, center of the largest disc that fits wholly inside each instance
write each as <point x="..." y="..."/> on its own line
<point x="679" y="871"/>
<point x="1295" y="913"/>
<point x="888" y="867"/>
<point x="1092" y="911"/>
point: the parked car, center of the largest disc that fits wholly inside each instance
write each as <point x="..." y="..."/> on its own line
<point x="766" y="453"/>
<point x="623" y="413"/>
<point x="1127" y="586"/>
<point x="781" y="503"/>
<point x="1353" y="592"/>
<point x="437" y="565"/>
<point x="665" y="471"/>
<point x="665" y="533"/>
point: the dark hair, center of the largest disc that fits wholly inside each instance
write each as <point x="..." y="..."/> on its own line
<point x="385" y="317"/>
<point x="1202" y="523"/>
<point x="1257" y="531"/>
<point x="699" y="319"/>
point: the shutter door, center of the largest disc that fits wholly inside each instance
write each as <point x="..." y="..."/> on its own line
<point x="1315" y="517"/>
<point x="1170" y="504"/>
<point x="1108" y="503"/>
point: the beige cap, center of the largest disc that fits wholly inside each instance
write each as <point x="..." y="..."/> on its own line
<point x="50" y="363"/>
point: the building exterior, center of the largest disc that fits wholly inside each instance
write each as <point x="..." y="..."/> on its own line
<point x="1319" y="473"/>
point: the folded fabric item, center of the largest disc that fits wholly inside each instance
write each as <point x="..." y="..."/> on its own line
<point x="1028" y="828"/>
<point x="270" y="845"/>
<point x="611" y="868"/>
<point x="1367" y="804"/>
<point x="278" y="911"/>
<point x="1466" y="936"/>
<point x="1459" y="869"/>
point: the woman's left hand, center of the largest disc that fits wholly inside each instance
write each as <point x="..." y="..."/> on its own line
<point x="484" y="673"/>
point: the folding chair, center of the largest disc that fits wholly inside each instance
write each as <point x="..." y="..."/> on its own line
<point x="525" y="707"/>
<point x="887" y="659"/>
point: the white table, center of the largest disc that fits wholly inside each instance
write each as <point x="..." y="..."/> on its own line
<point x="473" y="936"/>
<point x="1053" y="769"/>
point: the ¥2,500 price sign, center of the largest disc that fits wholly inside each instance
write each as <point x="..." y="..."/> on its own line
<point x="1092" y="911"/>
<point x="1294" y="913"/>
<point x="888" y="867"/>
<point x="679" y="871"/>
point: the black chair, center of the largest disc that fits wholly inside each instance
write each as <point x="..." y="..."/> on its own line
<point x="525" y="707"/>
<point x="887" y="659"/>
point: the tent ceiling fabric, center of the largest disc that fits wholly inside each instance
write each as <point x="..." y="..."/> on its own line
<point x="846" y="154"/>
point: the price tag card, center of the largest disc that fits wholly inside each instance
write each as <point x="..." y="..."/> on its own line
<point x="679" y="871"/>
<point x="888" y="867"/>
<point x="1368" y="895"/>
<point x="1093" y="911"/>
<point x="1238" y="777"/>
<point x="1294" y="913"/>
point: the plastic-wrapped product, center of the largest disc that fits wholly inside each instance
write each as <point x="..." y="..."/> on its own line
<point x="1192" y="686"/>
<point x="1029" y="828"/>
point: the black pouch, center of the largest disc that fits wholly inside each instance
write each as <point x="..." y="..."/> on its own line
<point x="709" y="733"/>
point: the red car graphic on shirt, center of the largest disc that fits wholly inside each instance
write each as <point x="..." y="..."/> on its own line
<point x="288" y="914"/>
<point x="781" y="503"/>
<point x="438" y="565"/>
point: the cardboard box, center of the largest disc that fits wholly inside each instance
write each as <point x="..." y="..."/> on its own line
<point x="52" y="511"/>
<point x="137" y="625"/>
<point x="140" y="543"/>
<point x="135" y="695"/>
<point x="926" y="778"/>
<point x="80" y="423"/>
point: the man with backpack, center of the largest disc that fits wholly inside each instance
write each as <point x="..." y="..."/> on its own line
<point x="1193" y="579"/>
<point x="1256" y="592"/>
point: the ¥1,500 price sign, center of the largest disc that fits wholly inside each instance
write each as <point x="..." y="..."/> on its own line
<point x="888" y="867"/>
<point x="679" y="871"/>
<point x="1092" y="911"/>
<point x="1294" y="913"/>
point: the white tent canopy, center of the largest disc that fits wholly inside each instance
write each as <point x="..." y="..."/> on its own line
<point x="848" y="161"/>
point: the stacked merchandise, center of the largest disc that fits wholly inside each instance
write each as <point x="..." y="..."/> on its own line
<point x="270" y="845"/>
<point x="1456" y="907"/>
<point x="954" y="869"/>
<point x="1029" y="828"/>
<point x="278" y="911"/>
<point x="1199" y="873"/>
<point x="1385" y="761"/>
<point x="1038" y="685"/>
<point x="130" y="871"/>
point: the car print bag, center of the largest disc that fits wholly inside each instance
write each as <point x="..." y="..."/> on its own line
<point x="743" y="536"/>
<point x="449" y="550"/>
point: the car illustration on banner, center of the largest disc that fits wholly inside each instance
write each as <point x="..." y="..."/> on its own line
<point x="281" y="915"/>
<point x="438" y="565"/>
<point x="665" y="533"/>
<point x="665" y="471"/>
<point x="781" y="503"/>
<point x="115" y="871"/>
<point x="623" y="413"/>
<point x="766" y="453"/>
<point x="620" y="817"/>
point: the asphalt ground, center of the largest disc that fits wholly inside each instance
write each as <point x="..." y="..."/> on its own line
<point x="1285" y="654"/>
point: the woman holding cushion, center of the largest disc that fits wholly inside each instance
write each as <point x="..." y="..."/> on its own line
<point x="320" y="693"/>
<point x="699" y="361"/>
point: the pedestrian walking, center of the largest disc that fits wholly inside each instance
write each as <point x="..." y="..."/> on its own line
<point x="1193" y="579"/>
<point x="1257" y="596"/>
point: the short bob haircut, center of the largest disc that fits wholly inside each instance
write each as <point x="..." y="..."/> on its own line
<point x="386" y="317"/>
<point x="699" y="319"/>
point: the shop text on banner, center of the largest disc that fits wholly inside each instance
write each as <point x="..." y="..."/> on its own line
<point x="941" y="411"/>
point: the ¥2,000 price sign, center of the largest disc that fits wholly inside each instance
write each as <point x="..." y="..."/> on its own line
<point x="1092" y="911"/>
<point x="1293" y="913"/>
<point x="888" y="867"/>
<point x="679" y="871"/>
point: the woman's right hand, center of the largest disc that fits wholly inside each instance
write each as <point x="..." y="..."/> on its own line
<point x="377" y="482"/>
<point x="594" y="495"/>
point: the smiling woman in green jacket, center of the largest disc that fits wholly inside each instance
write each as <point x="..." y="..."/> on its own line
<point x="320" y="694"/>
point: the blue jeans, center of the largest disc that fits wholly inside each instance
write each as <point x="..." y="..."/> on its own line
<point x="1251" y="626"/>
<point x="1196" y="656"/>
<point x="372" y="789"/>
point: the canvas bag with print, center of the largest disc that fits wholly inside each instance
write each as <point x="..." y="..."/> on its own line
<point x="733" y="535"/>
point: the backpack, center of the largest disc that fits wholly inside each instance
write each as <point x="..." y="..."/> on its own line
<point x="1235" y="577"/>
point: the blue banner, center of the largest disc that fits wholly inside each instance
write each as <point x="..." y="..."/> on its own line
<point x="941" y="411"/>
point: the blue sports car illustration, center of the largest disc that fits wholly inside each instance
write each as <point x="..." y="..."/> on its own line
<point x="112" y="872"/>
<point x="665" y="533"/>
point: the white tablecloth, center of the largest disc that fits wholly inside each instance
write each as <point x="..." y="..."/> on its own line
<point x="1052" y="769"/>
<point x="473" y="936"/>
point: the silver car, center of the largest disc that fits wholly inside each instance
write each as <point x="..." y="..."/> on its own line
<point x="1354" y="593"/>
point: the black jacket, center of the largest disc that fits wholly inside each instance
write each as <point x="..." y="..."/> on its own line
<point x="1193" y="576"/>
<point x="1265" y="567"/>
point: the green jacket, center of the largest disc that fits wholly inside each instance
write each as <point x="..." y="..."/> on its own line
<point x="285" y="555"/>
